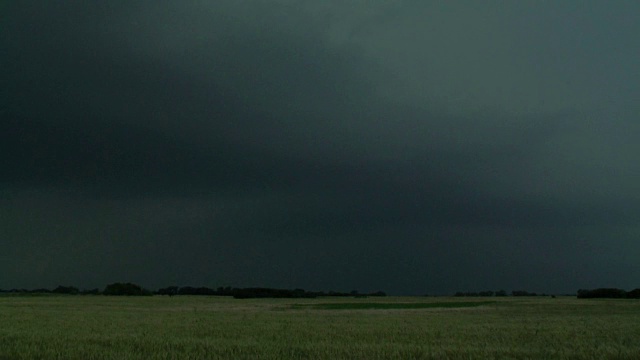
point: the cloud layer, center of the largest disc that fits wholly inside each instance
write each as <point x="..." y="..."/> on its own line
<point x="408" y="146"/>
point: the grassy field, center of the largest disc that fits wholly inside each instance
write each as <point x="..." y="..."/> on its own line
<point x="185" y="327"/>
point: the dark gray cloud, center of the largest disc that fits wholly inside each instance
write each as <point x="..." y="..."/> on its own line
<point x="409" y="146"/>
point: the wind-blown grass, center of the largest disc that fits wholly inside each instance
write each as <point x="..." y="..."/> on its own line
<point x="191" y="327"/>
<point x="394" y="305"/>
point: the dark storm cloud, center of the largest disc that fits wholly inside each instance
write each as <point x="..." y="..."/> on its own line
<point x="340" y="144"/>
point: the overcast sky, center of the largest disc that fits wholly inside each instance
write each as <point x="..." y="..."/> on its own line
<point x="406" y="146"/>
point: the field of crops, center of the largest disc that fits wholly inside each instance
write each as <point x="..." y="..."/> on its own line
<point x="191" y="327"/>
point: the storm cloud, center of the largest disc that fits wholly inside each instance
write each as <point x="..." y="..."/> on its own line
<point x="409" y="146"/>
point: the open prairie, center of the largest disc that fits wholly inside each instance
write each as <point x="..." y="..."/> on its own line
<point x="192" y="327"/>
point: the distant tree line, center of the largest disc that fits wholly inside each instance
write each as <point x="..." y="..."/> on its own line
<point x="130" y="289"/>
<point x="69" y="290"/>
<point x="603" y="293"/>
<point x="489" y="293"/>
<point x="125" y="289"/>
<point x="608" y="293"/>
<point x="258" y="292"/>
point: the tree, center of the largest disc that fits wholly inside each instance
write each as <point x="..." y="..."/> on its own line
<point x="634" y="294"/>
<point x="608" y="293"/>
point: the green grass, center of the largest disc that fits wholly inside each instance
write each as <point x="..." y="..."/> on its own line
<point x="184" y="327"/>
<point x="394" y="305"/>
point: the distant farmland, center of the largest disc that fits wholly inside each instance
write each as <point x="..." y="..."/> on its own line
<point x="202" y="327"/>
